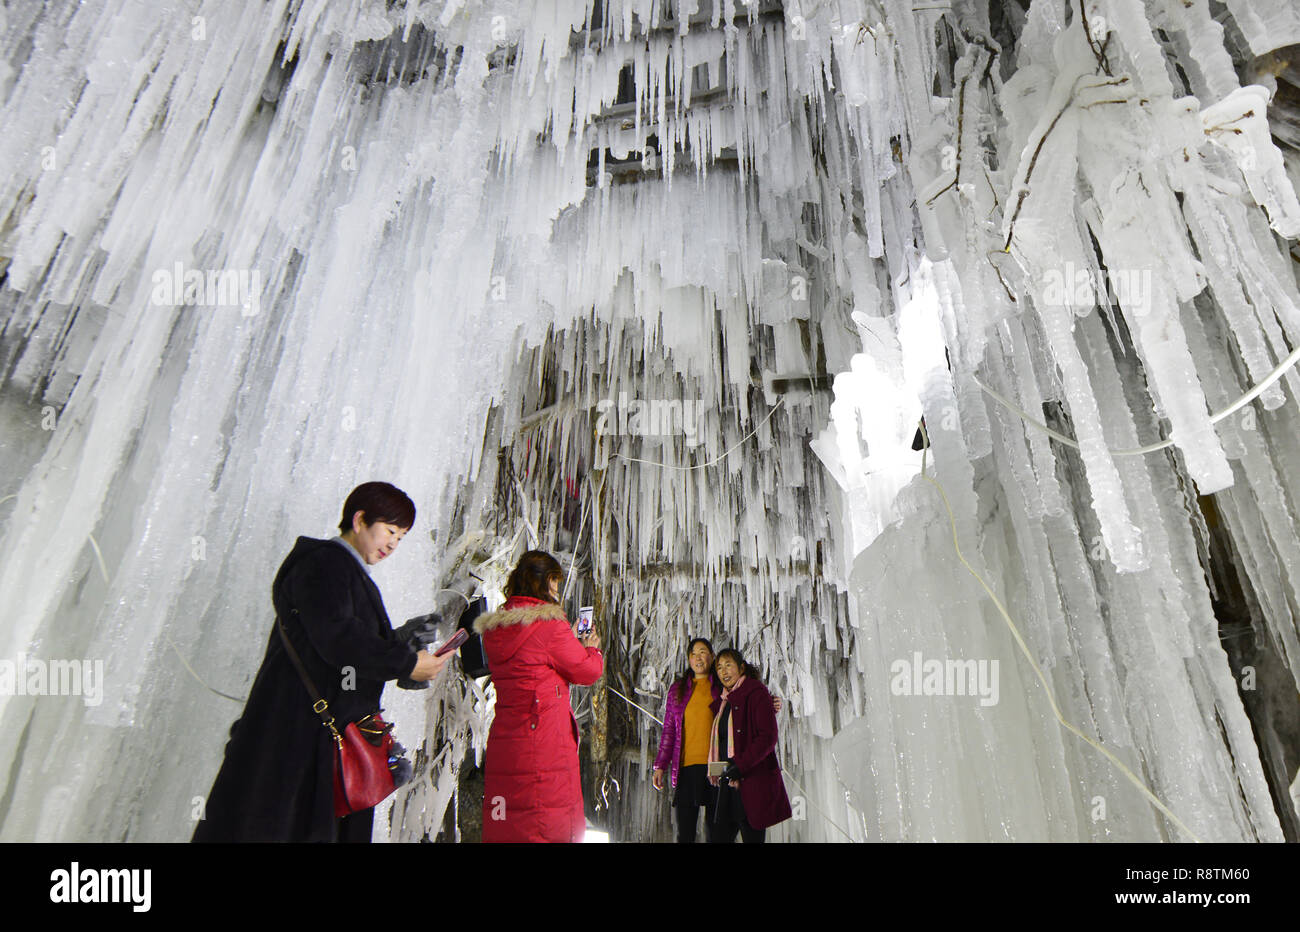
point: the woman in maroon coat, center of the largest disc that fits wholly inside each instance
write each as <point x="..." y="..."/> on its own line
<point x="751" y="795"/>
<point x="532" y="789"/>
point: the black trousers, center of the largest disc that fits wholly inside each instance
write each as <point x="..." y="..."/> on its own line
<point x="725" y="833"/>
<point x="688" y="821"/>
<point x="693" y="794"/>
<point x="730" y="818"/>
<point x="355" y="828"/>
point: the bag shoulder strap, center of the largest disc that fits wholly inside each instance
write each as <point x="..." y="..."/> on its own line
<point x="320" y="706"/>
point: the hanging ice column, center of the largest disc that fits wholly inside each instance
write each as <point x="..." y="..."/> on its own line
<point x="186" y="439"/>
<point x="1107" y="585"/>
<point x="415" y="189"/>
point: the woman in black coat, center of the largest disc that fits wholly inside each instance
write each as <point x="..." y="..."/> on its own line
<point x="277" y="780"/>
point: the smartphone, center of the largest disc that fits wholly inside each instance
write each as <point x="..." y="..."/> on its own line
<point x="585" y="619"/>
<point x="453" y="642"/>
<point x="716" y="768"/>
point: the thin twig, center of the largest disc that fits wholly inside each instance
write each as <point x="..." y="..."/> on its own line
<point x="1099" y="52"/>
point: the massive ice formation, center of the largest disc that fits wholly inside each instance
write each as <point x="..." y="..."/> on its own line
<point x="665" y="287"/>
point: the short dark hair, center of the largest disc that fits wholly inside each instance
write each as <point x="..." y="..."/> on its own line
<point x="532" y="577"/>
<point x="380" y="501"/>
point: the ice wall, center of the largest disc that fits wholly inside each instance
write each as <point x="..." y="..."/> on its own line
<point x="415" y="194"/>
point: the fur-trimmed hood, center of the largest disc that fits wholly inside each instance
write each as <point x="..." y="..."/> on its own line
<point x="511" y="626"/>
<point x="518" y="611"/>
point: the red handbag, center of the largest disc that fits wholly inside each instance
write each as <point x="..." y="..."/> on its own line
<point x="362" y="778"/>
<point x="361" y="775"/>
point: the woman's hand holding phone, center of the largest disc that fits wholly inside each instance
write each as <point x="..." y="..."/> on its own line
<point x="591" y="639"/>
<point x="427" y="666"/>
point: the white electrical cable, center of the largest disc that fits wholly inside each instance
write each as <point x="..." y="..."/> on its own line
<point x="1244" y="400"/>
<point x="1024" y="649"/>
<point x="653" y="717"/>
<point x="717" y="459"/>
<point x="631" y="459"/>
<point x="808" y="797"/>
<point x="103" y="571"/>
<point x="468" y="603"/>
<point x="582" y="520"/>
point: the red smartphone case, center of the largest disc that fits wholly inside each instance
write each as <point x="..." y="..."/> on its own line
<point x="457" y="639"/>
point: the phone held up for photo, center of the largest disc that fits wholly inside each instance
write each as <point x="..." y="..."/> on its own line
<point x="585" y="620"/>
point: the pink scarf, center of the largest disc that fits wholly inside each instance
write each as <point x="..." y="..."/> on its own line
<point x="731" y="730"/>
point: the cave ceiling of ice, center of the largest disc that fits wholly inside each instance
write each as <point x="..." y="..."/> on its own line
<point x="466" y="242"/>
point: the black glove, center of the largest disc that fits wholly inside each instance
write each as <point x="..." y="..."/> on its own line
<point x="405" y="683"/>
<point x="419" y="632"/>
<point x="732" y="773"/>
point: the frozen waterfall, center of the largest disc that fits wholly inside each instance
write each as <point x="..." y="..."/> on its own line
<point x="665" y="287"/>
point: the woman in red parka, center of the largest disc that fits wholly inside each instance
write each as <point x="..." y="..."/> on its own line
<point x="532" y="789"/>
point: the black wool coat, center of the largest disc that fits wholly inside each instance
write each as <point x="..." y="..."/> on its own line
<point x="277" y="780"/>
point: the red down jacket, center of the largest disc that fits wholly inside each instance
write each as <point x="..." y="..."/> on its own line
<point x="532" y="790"/>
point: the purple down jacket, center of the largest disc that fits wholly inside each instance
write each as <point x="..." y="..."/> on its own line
<point x="670" y="742"/>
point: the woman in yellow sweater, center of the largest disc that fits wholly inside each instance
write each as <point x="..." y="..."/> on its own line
<point x="684" y="744"/>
